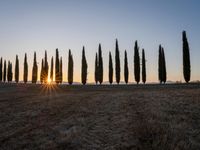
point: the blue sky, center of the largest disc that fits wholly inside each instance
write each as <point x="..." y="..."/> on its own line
<point x="35" y="25"/>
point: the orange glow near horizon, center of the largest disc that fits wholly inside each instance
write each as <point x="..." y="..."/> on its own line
<point x="49" y="81"/>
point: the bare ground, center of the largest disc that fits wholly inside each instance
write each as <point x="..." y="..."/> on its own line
<point x="100" y="117"/>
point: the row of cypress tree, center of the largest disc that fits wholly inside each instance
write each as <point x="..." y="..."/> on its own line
<point x="6" y="73"/>
<point x="162" y="73"/>
<point x="126" y="70"/>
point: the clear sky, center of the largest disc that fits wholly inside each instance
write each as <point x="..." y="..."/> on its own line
<point x="39" y="25"/>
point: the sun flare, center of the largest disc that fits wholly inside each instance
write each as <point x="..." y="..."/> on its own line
<point x="49" y="81"/>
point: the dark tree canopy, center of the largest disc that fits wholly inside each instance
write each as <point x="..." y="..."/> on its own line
<point x="136" y="63"/>
<point x="126" y="72"/>
<point x="162" y="74"/>
<point x="110" y="69"/>
<point x="51" y="72"/>
<point x="96" y="69"/>
<point x="17" y="69"/>
<point x="45" y="68"/>
<point x="70" y="68"/>
<point x="60" y="71"/>
<point x="1" y="69"/>
<point x="117" y="62"/>
<point x="164" y="66"/>
<point x="25" y="69"/>
<point x="35" y="69"/>
<point x="143" y="67"/>
<point x="160" y="64"/>
<point x="186" y="58"/>
<point x="42" y="74"/>
<point x="9" y="72"/>
<point x="100" y="65"/>
<point x="84" y="68"/>
<point x="57" y="75"/>
<point x="4" y="71"/>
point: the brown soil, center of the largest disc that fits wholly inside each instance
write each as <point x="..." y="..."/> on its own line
<point x="100" y="117"/>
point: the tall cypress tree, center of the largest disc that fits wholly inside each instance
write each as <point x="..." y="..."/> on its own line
<point x="9" y="74"/>
<point x="46" y="68"/>
<point x="1" y="69"/>
<point x="60" y="71"/>
<point x="143" y="67"/>
<point x="164" y="73"/>
<point x="186" y="58"/>
<point x="4" y="71"/>
<point x="84" y="68"/>
<point x="57" y="76"/>
<point x="70" y="68"/>
<point x="136" y="63"/>
<point x="110" y="69"/>
<point x="17" y="69"/>
<point x="100" y="66"/>
<point x="25" y="69"/>
<point x="51" y="73"/>
<point x="35" y="69"/>
<point x="160" y="64"/>
<point x="96" y="69"/>
<point x="117" y="62"/>
<point x="126" y="72"/>
<point x="42" y="72"/>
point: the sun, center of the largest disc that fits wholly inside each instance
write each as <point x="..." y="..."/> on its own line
<point x="49" y="81"/>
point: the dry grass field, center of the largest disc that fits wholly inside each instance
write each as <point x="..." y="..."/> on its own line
<point x="164" y="117"/>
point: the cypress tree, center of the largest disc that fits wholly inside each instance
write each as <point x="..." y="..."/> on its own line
<point x="35" y="69"/>
<point x="84" y="68"/>
<point x="143" y="67"/>
<point x="186" y="58"/>
<point x="42" y="72"/>
<point x="9" y="74"/>
<point x="136" y="63"/>
<point x="4" y="71"/>
<point x="46" y="68"/>
<point x="96" y="69"/>
<point x="160" y="68"/>
<point x="164" y="73"/>
<point x="51" y="73"/>
<point x="1" y="69"/>
<point x="60" y="71"/>
<point x="25" y="69"/>
<point x="117" y="62"/>
<point x="126" y="72"/>
<point x="100" y="66"/>
<point x="70" y="68"/>
<point x="110" y="69"/>
<point x="17" y="70"/>
<point x="57" y="75"/>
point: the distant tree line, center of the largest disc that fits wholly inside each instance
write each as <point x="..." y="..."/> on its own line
<point x="47" y="76"/>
